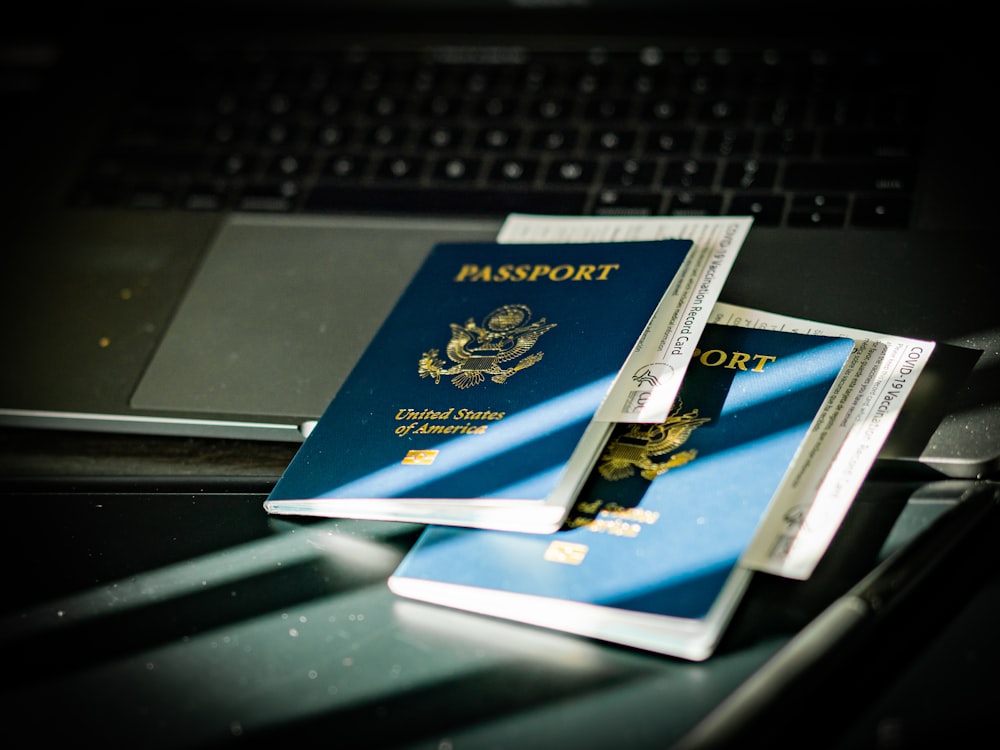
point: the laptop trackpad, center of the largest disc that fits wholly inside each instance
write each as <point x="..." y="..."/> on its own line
<point x="281" y="310"/>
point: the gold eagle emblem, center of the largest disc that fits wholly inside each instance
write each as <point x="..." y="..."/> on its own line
<point x="640" y="443"/>
<point x="478" y="350"/>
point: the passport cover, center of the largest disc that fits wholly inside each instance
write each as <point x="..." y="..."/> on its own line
<point x="649" y="555"/>
<point x="474" y="402"/>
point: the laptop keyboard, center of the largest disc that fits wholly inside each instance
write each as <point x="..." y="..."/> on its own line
<point x="794" y="138"/>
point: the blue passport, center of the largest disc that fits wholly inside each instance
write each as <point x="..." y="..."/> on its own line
<point x="474" y="403"/>
<point x="649" y="556"/>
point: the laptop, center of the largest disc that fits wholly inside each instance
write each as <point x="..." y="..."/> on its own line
<point x="209" y="209"/>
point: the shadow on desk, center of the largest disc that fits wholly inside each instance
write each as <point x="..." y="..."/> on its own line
<point x="173" y="612"/>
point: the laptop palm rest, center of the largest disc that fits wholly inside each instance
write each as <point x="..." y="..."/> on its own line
<point x="279" y="311"/>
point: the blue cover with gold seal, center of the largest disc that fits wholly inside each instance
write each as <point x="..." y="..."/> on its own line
<point x="473" y="404"/>
<point x="649" y="555"/>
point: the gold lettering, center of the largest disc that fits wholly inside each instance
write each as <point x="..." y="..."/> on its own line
<point x="423" y="414"/>
<point x="637" y="515"/>
<point x="606" y="269"/>
<point x="615" y="527"/>
<point x="738" y="361"/>
<point x="442" y="429"/>
<point x="711" y="358"/>
<point x="733" y="361"/>
<point x="468" y="270"/>
<point x="563" y="272"/>
<point x="470" y="414"/>
<point x="539" y="270"/>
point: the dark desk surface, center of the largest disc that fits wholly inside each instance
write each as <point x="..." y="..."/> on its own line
<point x="152" y="604"/>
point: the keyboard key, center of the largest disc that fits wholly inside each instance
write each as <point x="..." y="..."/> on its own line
<point x="630" y="173"/>
<point x="441" y="136"/>
<point x="479" y="80"/>
<point x="288" y="165"/>
<point x="744" y="175"/>
<point x="695" y="204"/>
<point x="818" y="210"/>
<point x="226" y="133"/>
<point x="277" y="133"/>
<point x="440" y="107"/>
<point x="664" y="109"/>
<point x="385" y="106"/>
<point x="513" y="171"/>
<point x="235" y="164"/>
<point x="398" y="168"/>
<point x="571" y="172"/>
<point x="788" y="142"/>
<point x="456" y="169"/>
<point x="497" y="138"/>
<point x="612" y="139"/>
<point x="720" y="111"/>
<point x="689" y="173"/>
<point x="607" y="108"/>
<point x="333" y="104"/>
<point x="837" y="111"/>
<point x="645" y="83"/>
<point x="782" y="112"/>
<point x="881" y="211"/>
<point x="672" y="141"/>
<point x="495" y="106"/>
<point x="332" y="135"/>
<point x="550" y="108"/>
<point x="345" y="167"/>
<point x="200" y="197"/>
<point x="554" y="139"/>
<point x="387" y="136"/>
<point x="727" y="142"/>
<point x="626" y="203"/>
<point x="767" y="210"/>
<point x="279" y="197"/>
